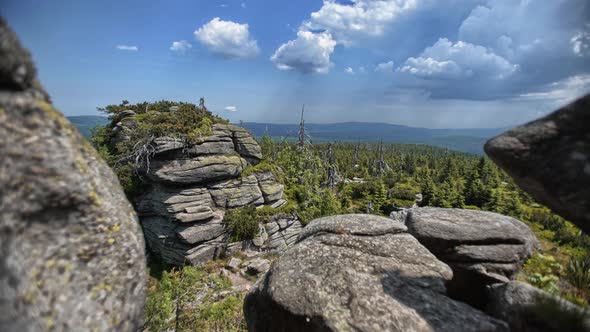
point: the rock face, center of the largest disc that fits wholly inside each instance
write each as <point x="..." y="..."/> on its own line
<point x="359" y="273"/>
<point x="521" y="305"/>
<point x="550" y="159"/>
<point x="481" y="247"/>
<point x="192" y="187"/>
<point x="72" y="252"/>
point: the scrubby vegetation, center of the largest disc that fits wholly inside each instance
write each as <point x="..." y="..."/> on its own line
<point x="129" y="157"/>
<point x="188" y="299"/>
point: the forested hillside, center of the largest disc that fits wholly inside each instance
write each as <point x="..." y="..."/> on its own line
<point x="327" y="179"/>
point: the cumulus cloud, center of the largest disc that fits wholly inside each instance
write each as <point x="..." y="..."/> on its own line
<point x="231" y="108"/>
<point x="180" y="46"/>
<point x="349" y="70"/>
<point x="349" y="23"/>
<point x="228" y="39"/>
<point x="385" y="67"/>
<point x="447" y="60"/>
<point x="563" y="91"/>
<point x="581" y="42"/>
<point x="308" y="53"/>
<point x="131" y="48"/>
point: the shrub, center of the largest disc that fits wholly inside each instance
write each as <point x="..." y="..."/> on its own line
<point x="577" y="272"/>
<point x="242" y="224"/>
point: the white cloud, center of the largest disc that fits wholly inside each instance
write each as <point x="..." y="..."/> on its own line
<point x="180" y="46"/>
<point x="243" y="4"/>
<point x="349" y="23"/>
<point x="223" y="5"/>
<point x="228" y="39"/>
<point x="563" y="91"/>
<point x="231" y="108"/>
<point x="131" y="48"/>
<point x="362" y="70"/>
<point x="447" y="60"/>
<point x="349" y="70"/>
<point x="581" y="42"/>
<point x="309" y="53"/>
<point x="385" y="67"/>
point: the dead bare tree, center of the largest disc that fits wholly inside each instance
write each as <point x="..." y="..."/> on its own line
<point x="302" y="129"/>
<point x="333" y="176"/>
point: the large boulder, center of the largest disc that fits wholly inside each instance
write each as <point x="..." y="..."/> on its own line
<point x="72" y="252"/>
<point x="550" y="159"/>
<point x="481" y="247"/>
<point x="527" y="308"/>
<point x="359" y="273"/>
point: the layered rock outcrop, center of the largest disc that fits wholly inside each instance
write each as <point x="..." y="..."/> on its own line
<point x="71" y="249"/>
<point x="550" y="159"/>
<point x="481" y="247"/>
<point x="359" y="273"/>
<point x="192" y="187"/>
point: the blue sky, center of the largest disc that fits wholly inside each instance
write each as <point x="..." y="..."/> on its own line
<point x="427" y="63"/>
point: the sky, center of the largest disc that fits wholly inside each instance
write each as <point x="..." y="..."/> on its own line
<point x="422" y="63"/>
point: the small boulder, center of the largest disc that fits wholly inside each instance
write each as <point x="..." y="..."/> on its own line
<point x="234" y="264"/>
<point x="527" y="308"/>
<point x="257" y="266"/>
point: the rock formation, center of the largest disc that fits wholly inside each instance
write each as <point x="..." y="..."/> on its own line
<point x="361" y="273"/>
<point x="71" y="248"/>
<point x="481" y="247"/>
<point x="192" y="187"/>
<point x="550" y="159"/>
<point x="524" y="307"/>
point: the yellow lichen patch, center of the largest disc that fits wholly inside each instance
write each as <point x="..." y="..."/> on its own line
<point x="95" y="198"/>
<point x="114" y="228"/>
<point x="111" y="240"/>
<point x="81" y="165"/>
<point x="50" y="263"/>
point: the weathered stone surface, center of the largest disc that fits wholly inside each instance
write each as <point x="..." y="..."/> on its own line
<point x="198" y="233"/>
<point x="72" y="253"/>
<point x="520" y="305"/>
<point x="165" y="144"/>
<point x="359" y="273"/>
<point x="550" y="159"/>
<point x="481" y="247"/>
<point x="236" y="193"/>
<point x="257" y="266"/>
<point x="198" y="169"/>
<point x="244" y="143"/>
<point x="271" y="189"/>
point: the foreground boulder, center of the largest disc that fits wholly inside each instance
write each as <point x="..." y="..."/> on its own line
<point x="550" y="159"/>
<point x="359" y="273"/>
<point x="72" y="252"/>
<point x="481" y="247"/>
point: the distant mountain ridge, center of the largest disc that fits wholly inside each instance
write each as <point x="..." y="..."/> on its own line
<point x="467" y="140"/>
<point x="85" y="123"/>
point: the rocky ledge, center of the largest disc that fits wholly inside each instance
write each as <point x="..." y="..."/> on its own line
<point x="359" y="273"/>
<point x="481" y="247"/>
<point x="192" y="186"/>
